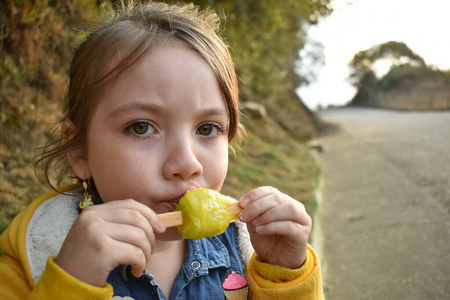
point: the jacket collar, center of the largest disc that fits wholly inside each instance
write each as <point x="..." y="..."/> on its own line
<point x="205" y="254"/>
<point x="48" y="228"/>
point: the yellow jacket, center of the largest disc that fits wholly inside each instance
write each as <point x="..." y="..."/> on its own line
<point x="28" y="270"/>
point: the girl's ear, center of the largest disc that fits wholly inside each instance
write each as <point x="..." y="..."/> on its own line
<point x="75" y="155"/>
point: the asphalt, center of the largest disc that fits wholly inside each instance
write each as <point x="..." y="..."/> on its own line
<point x="382" y="229"/>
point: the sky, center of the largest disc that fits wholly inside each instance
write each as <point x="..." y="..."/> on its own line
<point x="357" y="25"/>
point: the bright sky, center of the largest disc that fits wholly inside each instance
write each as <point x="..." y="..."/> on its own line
<point x="356" y="25"/>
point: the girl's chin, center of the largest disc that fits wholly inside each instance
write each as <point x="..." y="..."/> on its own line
<point x="171" y="234"/>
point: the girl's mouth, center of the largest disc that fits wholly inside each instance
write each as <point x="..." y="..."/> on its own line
<point x="174" y="202"/>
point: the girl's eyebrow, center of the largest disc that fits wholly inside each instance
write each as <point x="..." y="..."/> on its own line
<point x="213" y="112"/>
<point x="153" y="108"/>
<point x="133" y="107"/>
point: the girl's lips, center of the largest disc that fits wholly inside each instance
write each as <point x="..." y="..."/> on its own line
<point x="174" y="201"/>
<point x="173" y="204"/>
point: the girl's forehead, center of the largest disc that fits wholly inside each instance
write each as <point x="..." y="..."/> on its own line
<point x="120" y="62"/>
<point x="170" y="61"/>
<point x="127" y="54"/>
<point x="172" y="74"/>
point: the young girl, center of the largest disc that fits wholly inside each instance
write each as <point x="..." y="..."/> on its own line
<point x="151" y="108"/>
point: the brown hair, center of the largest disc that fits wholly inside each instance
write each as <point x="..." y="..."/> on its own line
<point x="134" y="29"/>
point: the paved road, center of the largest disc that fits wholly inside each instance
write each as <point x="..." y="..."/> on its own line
<point x="384" y="216"/>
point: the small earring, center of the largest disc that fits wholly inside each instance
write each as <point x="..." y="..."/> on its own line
<point x="87" y="201"/>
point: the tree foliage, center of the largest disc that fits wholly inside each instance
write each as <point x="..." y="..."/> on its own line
<point x="363" y="61"/>
<point x="407" y="71"/>
<point x="362" y="74"/>
<point x="406" y="75"/>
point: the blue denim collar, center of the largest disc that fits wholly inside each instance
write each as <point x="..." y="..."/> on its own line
<point x="202" y="255"/>
<point x="205" y="254"/>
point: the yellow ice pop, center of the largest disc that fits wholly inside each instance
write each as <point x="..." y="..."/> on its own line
<point x="202" y="213"/>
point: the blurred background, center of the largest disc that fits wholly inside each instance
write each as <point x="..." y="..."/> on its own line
<point x="357" y="25"/>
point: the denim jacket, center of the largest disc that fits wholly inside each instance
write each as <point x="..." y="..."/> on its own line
<point x="207" y="264"/>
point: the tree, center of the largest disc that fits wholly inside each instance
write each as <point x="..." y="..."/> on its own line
<point x="362" y="74"/>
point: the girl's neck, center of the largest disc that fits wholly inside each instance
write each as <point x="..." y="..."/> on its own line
<point x="166" y="263"/>
<point x="168" y="248"/>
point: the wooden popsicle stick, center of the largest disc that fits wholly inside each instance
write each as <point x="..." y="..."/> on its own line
<point x="234" y="207"/>
<point x="171" y="219"/>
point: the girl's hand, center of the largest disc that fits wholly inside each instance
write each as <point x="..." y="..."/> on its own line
<point x="107" y="235"/>
<point x="278" y="225"/>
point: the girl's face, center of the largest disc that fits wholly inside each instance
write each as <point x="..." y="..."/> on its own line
<point x="158" y="130"/>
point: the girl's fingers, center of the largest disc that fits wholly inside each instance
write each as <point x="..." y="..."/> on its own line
<point x="257" y="194"/>
<point x="255" y="203"/>
<point x="132" y="218"/>
<point x="282" y="228"/>
<point x="290" y="211"/>
<point x="132" y="235"/>
<point x="266" y="204"/>
<point x="135" y="212"/>
<point x="129" y="254"/>
<point x="117" y="223"/>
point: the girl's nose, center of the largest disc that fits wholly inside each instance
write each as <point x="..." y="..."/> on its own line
<point x="182" y="162"/>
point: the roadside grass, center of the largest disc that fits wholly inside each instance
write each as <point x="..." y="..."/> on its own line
<point x="289" y="167"/>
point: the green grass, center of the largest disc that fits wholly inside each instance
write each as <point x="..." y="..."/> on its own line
<point x="288" y="167"/>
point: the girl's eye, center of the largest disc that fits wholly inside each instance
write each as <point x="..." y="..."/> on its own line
<point x="210" y="130"/>
<point x="141" y="128"/>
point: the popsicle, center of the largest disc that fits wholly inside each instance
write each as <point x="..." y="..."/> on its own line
<point x="202" y="213"/>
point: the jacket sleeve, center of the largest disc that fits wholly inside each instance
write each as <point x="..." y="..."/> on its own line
<point x="13" y="280"/>
<point x="55" y="283"/>
<point x="274" y="282"/>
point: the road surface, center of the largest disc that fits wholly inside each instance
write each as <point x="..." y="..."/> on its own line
<point x="383" y="225"/>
